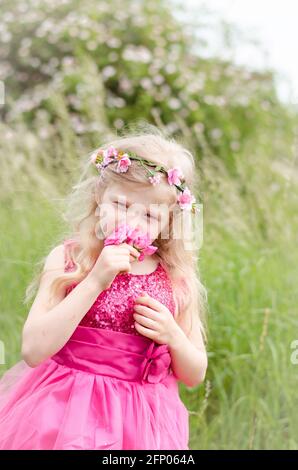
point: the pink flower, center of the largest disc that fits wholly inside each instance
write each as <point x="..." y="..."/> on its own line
<point x="174" y="175"/>
<point x="142" y="243"/>
<point x="139" y="239"/>
<point x="148" y="250"/>
<point x="109" y="155"/>
<point x="154" y="179"/>
<point x="104" y="157"/>
<point x="93" y="157"/>
<point x="110" y="152"/>
<point x="96" y="155"/>
<point x="123" y="164"/>
<point x="133" y="236"/>
<point x="186" y="199"/>
<point x="117" y="237"/>
<point x="106" y="161"/>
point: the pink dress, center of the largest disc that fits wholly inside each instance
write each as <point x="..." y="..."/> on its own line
<point x="109" y="387"/>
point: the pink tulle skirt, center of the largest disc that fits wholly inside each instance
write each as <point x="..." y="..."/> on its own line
<point x="103" y="390"/>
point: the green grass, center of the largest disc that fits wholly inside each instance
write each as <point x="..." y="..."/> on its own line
<point x="251" y="383"/>
<point x="30" y="225"/>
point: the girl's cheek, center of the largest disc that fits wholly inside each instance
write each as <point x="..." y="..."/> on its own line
<point x="153" y="230"/>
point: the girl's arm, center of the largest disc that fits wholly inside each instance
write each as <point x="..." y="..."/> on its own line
<point x="47" y="330"/>
<point x="189" y="357"/>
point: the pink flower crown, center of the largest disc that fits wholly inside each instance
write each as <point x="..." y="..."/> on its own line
<point x="103" y="157"/>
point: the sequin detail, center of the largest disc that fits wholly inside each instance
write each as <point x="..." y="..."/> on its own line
<point x="114" y="307"/>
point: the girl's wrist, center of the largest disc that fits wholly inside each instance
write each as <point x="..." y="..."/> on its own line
<point x="93" y="283"/>
<point x="178" y="339"/>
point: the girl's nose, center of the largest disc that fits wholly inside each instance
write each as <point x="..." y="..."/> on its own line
<point x="133" y="218"/>
<point x="135" y="223"/>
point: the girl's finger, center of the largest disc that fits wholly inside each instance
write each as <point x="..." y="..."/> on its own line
<point x="147" y="322"/>
<point x="146" y="331"/>
<point x="132" y="250"/>
<point x="148" y="312"/>
<point x="150" y="302"/>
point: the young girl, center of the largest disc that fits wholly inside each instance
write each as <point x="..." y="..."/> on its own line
<point x="108" y="337"/>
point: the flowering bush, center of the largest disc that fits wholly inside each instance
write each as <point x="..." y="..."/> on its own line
<point x="91" y="65"/>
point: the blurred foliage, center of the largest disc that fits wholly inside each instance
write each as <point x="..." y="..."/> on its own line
<point x="113" y="61"/>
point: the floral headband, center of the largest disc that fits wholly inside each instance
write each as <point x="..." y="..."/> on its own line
<point x="103" y="157"/>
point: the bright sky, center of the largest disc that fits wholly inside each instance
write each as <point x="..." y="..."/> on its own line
<point x="273" y="23"/>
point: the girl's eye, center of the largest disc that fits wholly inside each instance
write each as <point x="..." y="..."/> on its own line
<point x="152" y="216"/>
<point x="120" y="204"/>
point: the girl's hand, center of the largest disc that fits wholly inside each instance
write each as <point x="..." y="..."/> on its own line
<point x="154" y="320"/>
<point x="112" y="260"/>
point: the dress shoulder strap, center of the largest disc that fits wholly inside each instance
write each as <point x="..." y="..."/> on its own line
<point x="68" y="261"/>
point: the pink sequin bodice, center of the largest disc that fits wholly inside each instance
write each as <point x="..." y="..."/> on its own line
<point x="113" y="308"/>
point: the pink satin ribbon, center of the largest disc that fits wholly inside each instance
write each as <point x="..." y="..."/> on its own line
<point x="116" y="354"/>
